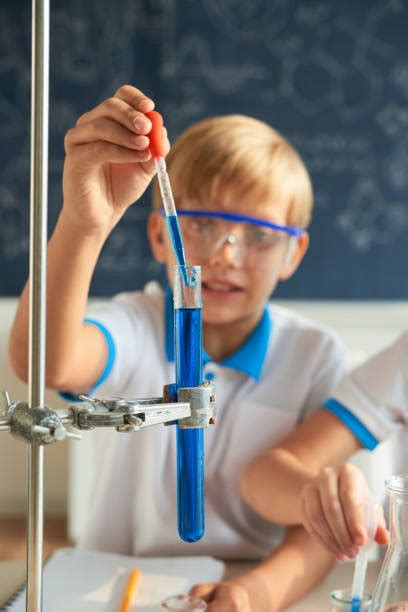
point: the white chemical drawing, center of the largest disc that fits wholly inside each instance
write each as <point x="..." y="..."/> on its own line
<point x="369" y="220"/>
<point x="393" y="119"/>
<point x="396" y="166"/>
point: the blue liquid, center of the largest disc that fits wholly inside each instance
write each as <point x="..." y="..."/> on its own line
<point x="190" y="442"/>
<point x="355" y="605"/>
<point x="177" y="241"/>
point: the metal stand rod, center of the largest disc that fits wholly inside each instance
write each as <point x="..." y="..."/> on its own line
<point x="37" y="329"/>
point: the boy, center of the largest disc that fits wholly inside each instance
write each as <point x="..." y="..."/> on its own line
<point x="368" y="406"/>
<point x="234" y="166"/>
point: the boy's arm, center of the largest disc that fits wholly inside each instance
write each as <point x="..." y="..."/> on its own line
<point x="107" y="167"/>
<point x="293" y="485"/>
<point x="76" y="352"/>
<point x="287" y="575"/>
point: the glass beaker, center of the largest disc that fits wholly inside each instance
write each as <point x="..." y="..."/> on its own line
<point x="391" y="590"/>
<point x="184" y="602"/>
<point x="342" y="600"/>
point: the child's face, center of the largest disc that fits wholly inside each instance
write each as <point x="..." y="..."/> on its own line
<point x="238" y="275"/>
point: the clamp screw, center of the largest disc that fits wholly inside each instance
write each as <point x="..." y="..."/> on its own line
<point x="6" y="400"/>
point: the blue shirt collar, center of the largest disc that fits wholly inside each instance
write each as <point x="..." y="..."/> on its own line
<point x="249" y="358"/>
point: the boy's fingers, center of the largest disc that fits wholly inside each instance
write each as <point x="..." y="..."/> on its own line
<point x="310" y="529"/>
<point x="231" y="597"/>
<point x="98" y="153"/>
<point x="166" y="141"/>
<point x="105" y="130"/>
<point x="135" y="98"/>
<point x="333" y="511"/>
<point x="382" y="534"/>
<point x="353" y="496"/>
<point x="315" y="520"/>
<point x="204" y="590"/>
<point x="121" y="112"/>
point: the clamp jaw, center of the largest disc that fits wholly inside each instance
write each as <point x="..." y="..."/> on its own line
<point x="190" y="407"/>
<point x="202" y="404"/>
<point x="124" y="414"/>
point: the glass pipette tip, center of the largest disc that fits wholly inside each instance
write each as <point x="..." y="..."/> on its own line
<point x="360" y="564"/>
<point x="157" y="152"/>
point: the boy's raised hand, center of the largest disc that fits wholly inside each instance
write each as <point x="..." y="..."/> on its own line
<point x="333" y="509"/>
<point x="108" y="164"/>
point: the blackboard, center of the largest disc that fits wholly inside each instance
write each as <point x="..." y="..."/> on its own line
<point x="331" y="76"/>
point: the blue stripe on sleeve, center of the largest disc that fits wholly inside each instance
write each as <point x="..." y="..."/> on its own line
<point x="356" y="427"/>
<point x="109" y="362"/>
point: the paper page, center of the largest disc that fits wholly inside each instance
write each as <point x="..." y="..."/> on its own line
<point x="86" y="581"/>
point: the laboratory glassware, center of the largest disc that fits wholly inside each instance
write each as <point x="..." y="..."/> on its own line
<point x="253" y="239"/>
<point x="157" y="152"/>
<point x="371" y="513"/>
<point x="342" y="600"/>
<point x="391" y="590"/>
<point x="189" y="373"/>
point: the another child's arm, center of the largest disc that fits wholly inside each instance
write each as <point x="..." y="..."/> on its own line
<point x="298" y="487"/>
<point x="107" y="167"/>
<point x="292" y="484"/>
<point x="287" y="575"/>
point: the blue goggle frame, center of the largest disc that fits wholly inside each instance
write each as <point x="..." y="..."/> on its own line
<point x="227" y="216"/>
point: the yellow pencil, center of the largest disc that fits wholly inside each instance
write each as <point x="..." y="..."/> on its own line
<point x="129" y="591"/>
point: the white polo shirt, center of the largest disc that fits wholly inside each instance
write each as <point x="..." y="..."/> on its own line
<point x="373" y="399"/>
<point x="284" y="371"/>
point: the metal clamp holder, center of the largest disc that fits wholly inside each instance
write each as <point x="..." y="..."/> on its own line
<point x="45" y="426"/>
<point x="39" y="425"/>
<point x="202" y="404"/>
<point x="195" y="408"/>
<point x="124" y="414"/>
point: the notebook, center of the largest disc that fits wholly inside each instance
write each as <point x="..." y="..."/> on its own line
<point x="87" y="581"/>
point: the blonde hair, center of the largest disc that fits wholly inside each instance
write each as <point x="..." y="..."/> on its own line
<point x="242" y="154"/>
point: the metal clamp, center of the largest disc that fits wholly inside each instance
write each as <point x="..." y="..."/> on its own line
<point x="124" y="414"/>
<point x="202" y="404"/>
<point x="39" y="425"/>
<point x="42" y="425"/>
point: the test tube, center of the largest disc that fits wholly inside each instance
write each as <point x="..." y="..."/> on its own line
<point x="189" y="373"/>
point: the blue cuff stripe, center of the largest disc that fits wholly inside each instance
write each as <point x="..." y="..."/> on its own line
<point x="109" y="362"/>
<point x="356" y="427"/>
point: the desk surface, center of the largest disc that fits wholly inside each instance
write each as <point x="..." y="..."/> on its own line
<point x="12" y="574"/>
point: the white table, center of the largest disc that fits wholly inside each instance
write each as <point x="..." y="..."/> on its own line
<point x="12" y="574"/>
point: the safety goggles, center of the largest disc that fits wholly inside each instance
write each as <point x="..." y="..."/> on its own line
<point x="253" y="241"/>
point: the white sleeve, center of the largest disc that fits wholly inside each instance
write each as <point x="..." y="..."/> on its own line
<point x="374" y="396"/>
<point x="331" y="364"/>
<point x="123" y="322"/>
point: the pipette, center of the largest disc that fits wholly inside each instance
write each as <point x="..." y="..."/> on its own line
<point x="360" y="565"/>
<point x="157" y="152"/>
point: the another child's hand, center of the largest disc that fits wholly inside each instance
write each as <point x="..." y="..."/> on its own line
<point x="108" y="164"/>
<point x="333" y="507"/>
<point x="222" y="596"/>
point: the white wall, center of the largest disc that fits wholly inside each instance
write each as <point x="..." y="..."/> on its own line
<point x="365" y="327"/>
